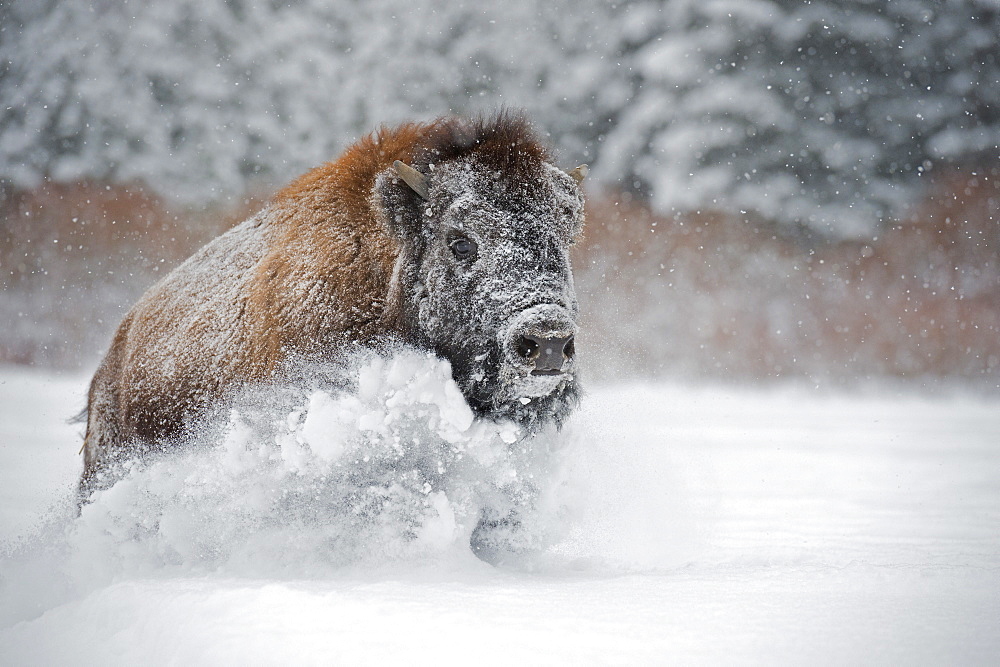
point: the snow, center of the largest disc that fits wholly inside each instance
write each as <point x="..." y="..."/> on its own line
<point x="681" y="524"/>
<point x="205" y="100"/>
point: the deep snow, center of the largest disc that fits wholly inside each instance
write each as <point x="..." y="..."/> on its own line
<point x="669" y="524"/>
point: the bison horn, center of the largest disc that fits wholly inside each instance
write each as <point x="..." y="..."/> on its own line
<point x="579" y="173"/>
<point x="413" y="178"/>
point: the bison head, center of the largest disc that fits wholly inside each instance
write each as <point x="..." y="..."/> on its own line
<point x="484" y="223"/>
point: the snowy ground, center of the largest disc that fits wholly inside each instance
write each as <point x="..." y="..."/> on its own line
<point x="698" y="525"/>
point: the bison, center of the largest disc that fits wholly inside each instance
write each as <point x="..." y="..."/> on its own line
<point x="452" y="236"/>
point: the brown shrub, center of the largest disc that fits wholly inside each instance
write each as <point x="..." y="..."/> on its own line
<point x="74" y="257"/>
<point x="697" y="295"/>
<point x="724" y="296"/>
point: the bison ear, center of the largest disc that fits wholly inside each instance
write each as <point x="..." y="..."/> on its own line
<point x="397" y="203"/>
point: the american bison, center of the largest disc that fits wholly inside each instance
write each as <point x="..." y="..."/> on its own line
<point x="452" y="236"/>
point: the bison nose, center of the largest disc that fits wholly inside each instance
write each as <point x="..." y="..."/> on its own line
<point x="548" y="354"/>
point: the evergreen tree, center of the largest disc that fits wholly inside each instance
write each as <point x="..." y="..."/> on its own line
<point x="821" y="114"/>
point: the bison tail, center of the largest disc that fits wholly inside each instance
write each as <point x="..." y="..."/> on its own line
<point x="80" y="417"/>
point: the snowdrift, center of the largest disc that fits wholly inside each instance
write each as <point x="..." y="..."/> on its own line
<point x="666" y="524"/>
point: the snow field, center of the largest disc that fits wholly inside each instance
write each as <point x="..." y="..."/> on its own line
<point x="666" y="524"/>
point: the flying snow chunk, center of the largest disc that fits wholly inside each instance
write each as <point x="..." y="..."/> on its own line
<point x="442" y="529"/>
<point x="418" y="382"/>
<point x="323" y="429"/>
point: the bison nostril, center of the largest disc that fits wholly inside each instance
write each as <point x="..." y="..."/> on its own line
<point x="547" y="355"/>
<point x="527" y="347"/>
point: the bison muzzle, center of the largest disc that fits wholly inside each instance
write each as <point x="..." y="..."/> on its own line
<point x="451" y="236"/>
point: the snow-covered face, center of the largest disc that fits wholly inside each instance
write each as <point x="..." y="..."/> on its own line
<point x="493" y="288"/>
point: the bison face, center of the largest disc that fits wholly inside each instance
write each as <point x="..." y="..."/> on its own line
<point x="484" y="280"/>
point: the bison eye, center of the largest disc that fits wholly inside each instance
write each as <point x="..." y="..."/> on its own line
<point x="463" y="248"/>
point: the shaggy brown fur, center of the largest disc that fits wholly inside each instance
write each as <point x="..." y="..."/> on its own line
<point x="306" y="276"/>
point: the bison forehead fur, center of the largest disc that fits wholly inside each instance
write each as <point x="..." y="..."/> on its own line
<point x="475" y="268"/>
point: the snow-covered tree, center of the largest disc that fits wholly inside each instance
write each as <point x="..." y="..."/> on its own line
<point x="821" y="113"/>
<point x="200" y="97"/>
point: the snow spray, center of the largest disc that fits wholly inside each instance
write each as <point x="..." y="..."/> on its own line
<point x="300" y="479"/>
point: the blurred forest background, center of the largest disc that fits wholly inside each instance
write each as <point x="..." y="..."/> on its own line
<point x="778" y="189"/>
